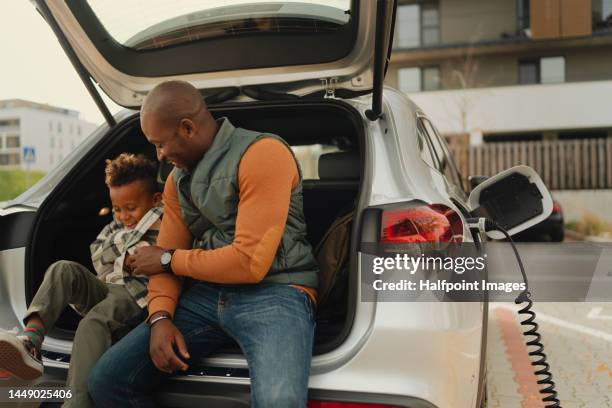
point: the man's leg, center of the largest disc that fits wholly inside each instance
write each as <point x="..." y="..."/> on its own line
<point x="274" y="325"/>
<point x="125" y="376"/>
<point x="93" y="337"/>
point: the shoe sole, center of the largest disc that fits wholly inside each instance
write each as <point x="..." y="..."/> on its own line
<point x="13" y="361"/>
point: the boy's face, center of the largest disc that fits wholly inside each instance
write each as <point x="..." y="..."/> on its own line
<point x="132" y="201"/>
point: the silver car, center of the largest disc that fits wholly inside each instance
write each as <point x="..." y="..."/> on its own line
<point x="311" y="72"/>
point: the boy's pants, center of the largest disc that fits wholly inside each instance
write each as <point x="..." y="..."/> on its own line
<point x="106" y="307"/>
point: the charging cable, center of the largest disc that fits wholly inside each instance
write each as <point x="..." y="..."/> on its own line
<point x="533" y="338"/>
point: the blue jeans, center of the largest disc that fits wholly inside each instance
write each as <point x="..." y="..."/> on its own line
<point x="273" y="324"/>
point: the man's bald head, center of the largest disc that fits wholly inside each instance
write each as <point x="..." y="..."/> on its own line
<point x="172" y="101"/>
<point x="175" y="119"/>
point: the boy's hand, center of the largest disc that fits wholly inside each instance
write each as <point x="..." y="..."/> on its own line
<point x="147" y="260"/>
<point x="164" y="336"/>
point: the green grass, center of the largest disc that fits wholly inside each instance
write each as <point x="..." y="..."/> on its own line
<point x="15" y="182"/>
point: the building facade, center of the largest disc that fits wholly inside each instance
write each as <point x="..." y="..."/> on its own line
<point x="507" y="70"/>
<point x="36" y="136"/>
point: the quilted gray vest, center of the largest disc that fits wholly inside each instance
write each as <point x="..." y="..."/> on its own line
<point x="209" y="202"/>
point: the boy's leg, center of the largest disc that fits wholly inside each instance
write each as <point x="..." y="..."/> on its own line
<point x="65" y="283"/>
<point x="274" y="325"/>
<point x="94" y="336"/>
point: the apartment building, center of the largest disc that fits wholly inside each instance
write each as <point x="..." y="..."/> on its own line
<point x="37" y="136"/>
<point x="501" y="70"/>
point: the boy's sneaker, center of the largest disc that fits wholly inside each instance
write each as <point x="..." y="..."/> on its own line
<point x="19" y="356"/>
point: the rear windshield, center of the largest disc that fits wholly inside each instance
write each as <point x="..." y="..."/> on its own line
<point x="146" y="24"/>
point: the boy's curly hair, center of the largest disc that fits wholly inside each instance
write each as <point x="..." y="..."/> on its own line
<point x="128" y="167"/>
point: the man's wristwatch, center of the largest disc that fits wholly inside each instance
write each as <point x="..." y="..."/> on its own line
<point x="166" y="260"/>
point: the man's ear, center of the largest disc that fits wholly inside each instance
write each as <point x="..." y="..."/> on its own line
<point x="157" y="199"/>
<point x="187" y="128"/>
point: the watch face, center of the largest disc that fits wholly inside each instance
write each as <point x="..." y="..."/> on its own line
<point x="166" y="258"/>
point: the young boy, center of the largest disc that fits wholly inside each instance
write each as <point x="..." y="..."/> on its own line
<point x="108" y="302"/>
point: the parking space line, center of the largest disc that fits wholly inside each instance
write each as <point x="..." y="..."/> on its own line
<point x="541" y="317"/>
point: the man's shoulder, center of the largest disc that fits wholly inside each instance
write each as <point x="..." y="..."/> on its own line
<point x="267" y="146"/>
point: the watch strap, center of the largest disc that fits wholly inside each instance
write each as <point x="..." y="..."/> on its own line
<point x="168" y="267"/>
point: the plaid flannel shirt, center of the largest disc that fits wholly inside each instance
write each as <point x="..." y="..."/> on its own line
<point x="109" y="249"/>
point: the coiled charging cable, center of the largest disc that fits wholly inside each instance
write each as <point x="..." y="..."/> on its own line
<point x="537" y="355"/>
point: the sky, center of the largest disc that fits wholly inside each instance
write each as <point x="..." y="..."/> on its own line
<point x="33" y="65"/>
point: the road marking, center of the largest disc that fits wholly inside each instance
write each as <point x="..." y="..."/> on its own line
<point x="594" y="313"/>
<point x="541" y="317"/>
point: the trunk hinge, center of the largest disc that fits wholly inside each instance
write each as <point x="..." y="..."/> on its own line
<point x="330" y="87"/>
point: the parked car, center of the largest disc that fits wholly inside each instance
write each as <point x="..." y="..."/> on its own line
<point x="313" y="74"/>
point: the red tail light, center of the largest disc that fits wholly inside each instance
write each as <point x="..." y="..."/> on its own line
<point x="329" y="404"/>
<point x="556" y="208"/>
<point x="428" y="223"/>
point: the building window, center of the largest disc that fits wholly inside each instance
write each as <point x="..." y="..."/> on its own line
<point x="529" y="72"/>
<point x="431" y="78"/>
<point x="79" y="130"/>
<point x="430" y="24"/>
<point x="10" y="159"/>
<point x="409" y="79"/>
<point x="9" y="122"/>
<point x="407" y="32"/>
<point x="552" y="70"/>
<point x="52" y="142"/>
<point x="51" y="158"/>
<point x="522" y="15"/>
<point x="61" y="142"/>
<point x="418" y="79"/>
<point x="59" y="127"/>
<point x="12" y="141"/>
<point x="417" y="25"/>
<point x="0" y="142"/>
<point x="602" y="15"/>
<point x="549" y="70"/>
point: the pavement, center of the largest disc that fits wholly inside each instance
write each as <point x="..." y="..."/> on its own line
<point x="577" y="339"/>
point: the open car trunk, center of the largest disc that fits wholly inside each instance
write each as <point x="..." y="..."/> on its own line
<point x="70" y="219"/>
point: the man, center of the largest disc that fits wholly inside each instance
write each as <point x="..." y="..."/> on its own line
<point x="233" y="212"/>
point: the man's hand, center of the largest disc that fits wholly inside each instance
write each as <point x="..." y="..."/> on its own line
<point x="127" y="263"/>
<point x="164" y="336"/>
<point x="147" y="260"/>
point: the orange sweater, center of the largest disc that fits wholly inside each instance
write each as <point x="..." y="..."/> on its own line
<point x="266" y="175"/>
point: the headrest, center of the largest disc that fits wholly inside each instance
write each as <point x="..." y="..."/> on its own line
<point x="339" y="165"/>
